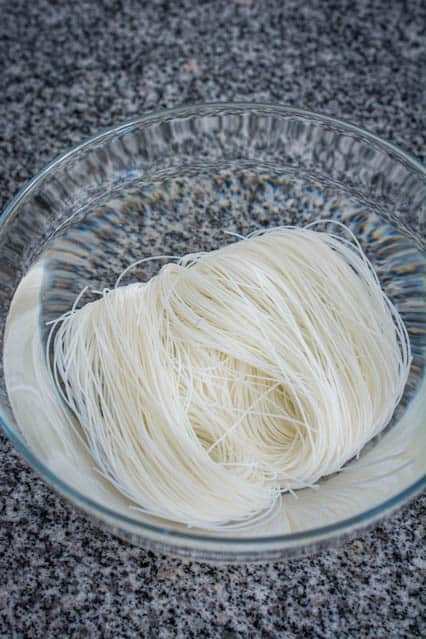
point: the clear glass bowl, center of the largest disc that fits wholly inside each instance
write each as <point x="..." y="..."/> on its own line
<point x="171" y="183"/>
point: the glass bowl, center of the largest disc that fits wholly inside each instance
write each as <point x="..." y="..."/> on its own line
<point x="180" y="181"/>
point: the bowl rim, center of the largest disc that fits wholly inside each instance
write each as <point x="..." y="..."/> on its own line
<point x="166" y="533"/>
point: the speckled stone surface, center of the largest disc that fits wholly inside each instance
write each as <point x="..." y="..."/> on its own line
<point x="69" y="69"/>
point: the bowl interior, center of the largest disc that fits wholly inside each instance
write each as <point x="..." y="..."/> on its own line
<point x="187" y="181"/>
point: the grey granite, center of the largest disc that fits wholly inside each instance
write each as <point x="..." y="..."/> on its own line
<point x="69" y="69"/>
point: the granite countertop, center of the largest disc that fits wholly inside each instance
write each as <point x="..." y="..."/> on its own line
<point x="70" y="69"/>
